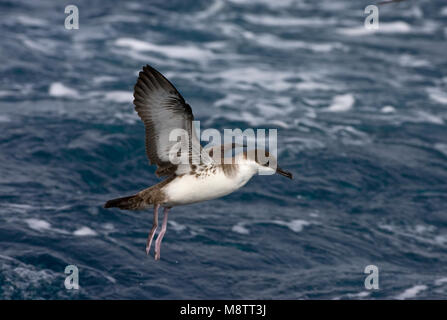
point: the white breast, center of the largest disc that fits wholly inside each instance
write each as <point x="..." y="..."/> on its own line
<point x="188" y="189"/>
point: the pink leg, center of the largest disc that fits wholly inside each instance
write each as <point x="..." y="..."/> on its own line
<point x="161" y="234"/>
<point x="154" y="227"/>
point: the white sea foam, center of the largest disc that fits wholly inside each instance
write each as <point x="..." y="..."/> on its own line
<point x="420" y="228"/>
<point x="240" y="228"/>
<point x="42" y="225"/>
<point x="37" y="224"/>
<point x="362" y="294"/>
<point x="313" y="86"/>
<point x="139" y="56"/>
<point x="388" y="109"/>
<point x="230" y="99"/>
<point x="102" y="79"/>
<point x="176" y="226"/>
<point x="110" y="278"/>
<point x="119" y="96"/>
<point x="279" y="123"/>
<point x="387" y="227"/>
<point x="384" y="27"/>
<point x="350" y="135"/>
<point x="4" y="118"/>
<point x="121" y="18"/>
<point x="43" y="45"/>
<point x="294" y="225"/>
<point x="441" y="147"/>
<point x="411" y="292"/>
<point x="355" y="31"/>
<point x="422" y="233"/>
<point x="273" y="41"/>
<point x="441" y="239"/>
<point x="281" y="21"/>
<point x="245" y="116"/>
<point x="213" y="9"/>
<point x="216" y="45"/>
<point x="22" y="208"/>
<point x="31" y="21"/>
<point x="6" y="93"/>
<point x="127" y="117"/>
<point x="394" y="27"/>
<point x="22" y="279"/>
<point x="422" y="116"/>
<point x="33" y="276"/>
<point x="175" y="52"/>
<point x="252" y="119"/>
<point x="341" y="103"/>
<point x="271" y="4"/>
<point x="58" y="89"/>
<point x="84" y="231"/>
<point x="108" y="226"/>
<point x="440" y="281"/>
<point x="268" y="110"/>
<point x="413" y="12"/>
<point x="407" y="60"/>
<point x="438" y="95"/>
<point x="249" y="76"/>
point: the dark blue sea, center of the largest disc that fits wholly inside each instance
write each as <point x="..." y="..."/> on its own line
<point x="361" y="119"/>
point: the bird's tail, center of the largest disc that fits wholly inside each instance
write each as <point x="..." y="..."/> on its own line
<point x="135" y="202"/>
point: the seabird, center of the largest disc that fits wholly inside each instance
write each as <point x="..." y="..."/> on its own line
<point x="163" y="109"/>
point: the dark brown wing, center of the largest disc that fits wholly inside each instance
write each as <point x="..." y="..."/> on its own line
<point x="163" y="109"/>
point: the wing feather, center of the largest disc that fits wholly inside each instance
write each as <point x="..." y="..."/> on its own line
<point x="162" y="109"/>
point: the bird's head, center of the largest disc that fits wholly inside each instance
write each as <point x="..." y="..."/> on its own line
<point x="265" y="163"/>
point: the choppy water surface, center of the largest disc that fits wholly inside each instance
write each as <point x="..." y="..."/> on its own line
<point x="361" y="121"/>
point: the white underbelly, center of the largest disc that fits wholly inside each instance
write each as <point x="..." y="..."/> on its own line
<point x="190" y="189"/>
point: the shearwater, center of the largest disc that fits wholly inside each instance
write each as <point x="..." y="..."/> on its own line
<point x="162" y="110"/>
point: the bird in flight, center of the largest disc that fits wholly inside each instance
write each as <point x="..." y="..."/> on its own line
<point x="163" y="109"/>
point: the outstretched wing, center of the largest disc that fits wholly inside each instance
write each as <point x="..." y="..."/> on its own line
<point x="163" y="109"/>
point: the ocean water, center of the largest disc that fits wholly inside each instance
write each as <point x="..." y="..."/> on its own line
<point x="361" y="119"/>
